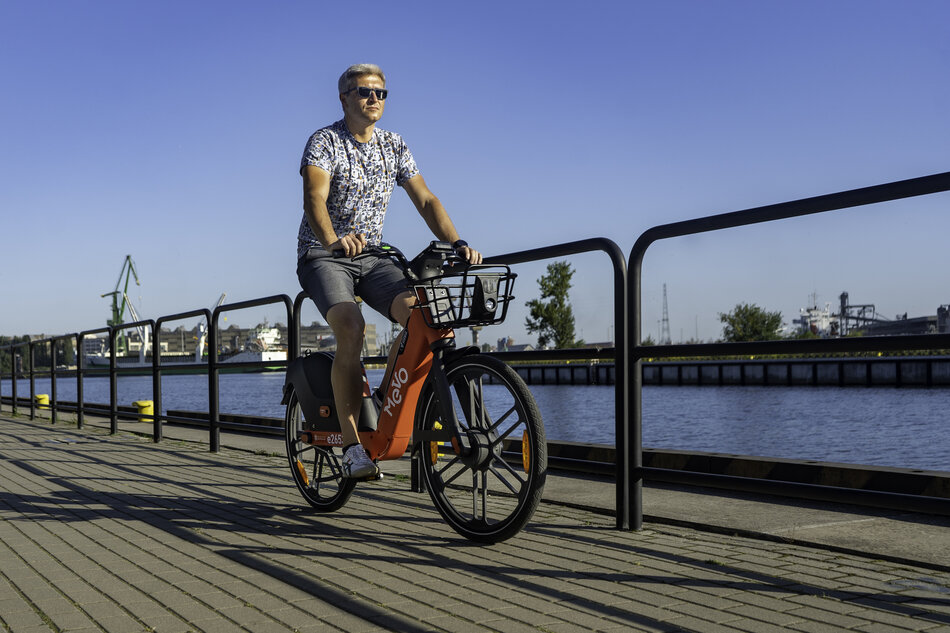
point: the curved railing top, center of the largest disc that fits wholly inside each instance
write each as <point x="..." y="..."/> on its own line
<point x="900" y="189"/>
<point x="567" y="248"/>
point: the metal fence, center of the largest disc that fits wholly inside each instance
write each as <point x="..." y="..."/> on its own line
<point x="808" y="206"/>
<point x="627" y="354"/>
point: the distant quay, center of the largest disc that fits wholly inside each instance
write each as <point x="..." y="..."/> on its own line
<point x="884" y="371"/>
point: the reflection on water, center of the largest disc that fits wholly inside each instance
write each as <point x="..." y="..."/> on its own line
<point x="882" y="426"/>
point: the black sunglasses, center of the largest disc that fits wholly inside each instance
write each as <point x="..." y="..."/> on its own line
<point x="365" y="92"/>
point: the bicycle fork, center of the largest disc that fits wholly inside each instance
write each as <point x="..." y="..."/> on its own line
<point x="443" y="395"/>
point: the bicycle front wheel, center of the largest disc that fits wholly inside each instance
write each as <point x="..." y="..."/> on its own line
<point x="491" y="493"/>
<point x="316" y="469"/>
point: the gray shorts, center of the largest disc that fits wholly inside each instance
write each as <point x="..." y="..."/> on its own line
<point x="329" y="281"/>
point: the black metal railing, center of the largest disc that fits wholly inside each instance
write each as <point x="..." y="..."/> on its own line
<point x="157" y="367"/>
<point x="627" y="354"/>
<point x="115" y="370"/>
<point x="620" y="354"/>
<point x="820" y="204"/>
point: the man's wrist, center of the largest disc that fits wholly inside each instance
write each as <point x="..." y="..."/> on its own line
<point x="457" y="244"/>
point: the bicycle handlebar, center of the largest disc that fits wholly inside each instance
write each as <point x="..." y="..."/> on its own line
<point x="427" y="264"/>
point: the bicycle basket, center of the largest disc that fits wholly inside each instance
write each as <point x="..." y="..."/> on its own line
<point x="477" y="296"/>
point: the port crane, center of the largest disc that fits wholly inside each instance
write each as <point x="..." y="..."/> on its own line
<point x="203" y="331"/>
<point x="120" y="298"/>
<point x="142" y="330"/>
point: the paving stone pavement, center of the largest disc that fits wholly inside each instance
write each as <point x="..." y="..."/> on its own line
<point x="116" y="533"/>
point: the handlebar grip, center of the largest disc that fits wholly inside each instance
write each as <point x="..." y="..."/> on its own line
<point x="369" y="249"/>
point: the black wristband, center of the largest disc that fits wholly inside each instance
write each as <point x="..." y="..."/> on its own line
<point x="459" y="244"/>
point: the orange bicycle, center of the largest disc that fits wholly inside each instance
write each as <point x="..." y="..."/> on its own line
<point x="468" y="417"/>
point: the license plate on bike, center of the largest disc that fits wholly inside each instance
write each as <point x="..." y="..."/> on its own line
<point x="322" y="438"/>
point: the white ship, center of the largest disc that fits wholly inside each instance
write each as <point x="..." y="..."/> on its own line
<point x="262" y="345"/>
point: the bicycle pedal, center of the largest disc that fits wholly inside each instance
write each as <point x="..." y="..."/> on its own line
<point x="377" y="476"/>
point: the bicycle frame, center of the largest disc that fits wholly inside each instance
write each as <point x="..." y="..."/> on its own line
<point x="386" y="433"/>
<point x="420" y="356"/>
<point x="420" y="348"/>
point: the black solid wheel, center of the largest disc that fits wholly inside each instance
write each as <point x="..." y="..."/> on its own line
<point x="489" y="495"/>
<point x="316" y="469"/>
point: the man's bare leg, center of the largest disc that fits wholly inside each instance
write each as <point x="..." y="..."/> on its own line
<point x="346" y="376"/>
<point x="400" y="310"/>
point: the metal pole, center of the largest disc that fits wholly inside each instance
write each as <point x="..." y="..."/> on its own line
<point x="32" y="357"/>
<point x="157" y="382"/>
<point x="113" y="385"/>
<point x="13" y="378"/>
<point x="52" y="380"/>
<point x="213" y="403"/>
<point x="80" y="360"/>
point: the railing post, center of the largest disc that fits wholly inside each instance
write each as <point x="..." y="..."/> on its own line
<point x="32" y="358"/>
<point x="80" y="372"/>
<point x="13" y="379"/>
<point x="214" y="439"/>
<point x="113" y="383"/>
<point x="1" y="376"/>
<point x="157" y="381"/>
<point x="52" y="380"/>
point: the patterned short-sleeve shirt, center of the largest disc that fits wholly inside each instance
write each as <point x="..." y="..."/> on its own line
<point x="362" y="179"/>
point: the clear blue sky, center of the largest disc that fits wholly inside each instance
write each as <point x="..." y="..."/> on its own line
<point x="173" y="131"/>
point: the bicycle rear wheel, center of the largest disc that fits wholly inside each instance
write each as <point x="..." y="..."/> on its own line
<point x="316" y="469"/>
<point x="489" y="495"/>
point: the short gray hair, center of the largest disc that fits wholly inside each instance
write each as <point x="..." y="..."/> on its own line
<point x="358" y="70"/>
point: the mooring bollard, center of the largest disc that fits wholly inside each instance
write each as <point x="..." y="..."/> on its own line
<point x="146" y="409"/>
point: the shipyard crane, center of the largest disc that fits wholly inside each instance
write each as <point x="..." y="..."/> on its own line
<point x="203" y="331"/>
<point x="142" y="330"/>
<point x="118" y="306"/>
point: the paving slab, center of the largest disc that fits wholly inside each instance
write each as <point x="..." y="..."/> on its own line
<point x="103" y="532"/>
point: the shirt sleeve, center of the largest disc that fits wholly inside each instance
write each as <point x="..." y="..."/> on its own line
<point x="318" y="152"/>
<point x="406" y="166"/>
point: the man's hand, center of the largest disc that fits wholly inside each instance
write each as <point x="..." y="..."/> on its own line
<point x="351" y="244"/>
<point x="470" y="255"/>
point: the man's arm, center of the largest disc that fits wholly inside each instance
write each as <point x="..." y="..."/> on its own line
<point x="436" y="217"/>
<point x="316" y="190"/>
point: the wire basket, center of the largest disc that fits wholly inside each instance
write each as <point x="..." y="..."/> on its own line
<point x="478" y="296"/>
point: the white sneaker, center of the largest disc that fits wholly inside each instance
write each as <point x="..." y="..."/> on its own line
<point x="357" y="464"/>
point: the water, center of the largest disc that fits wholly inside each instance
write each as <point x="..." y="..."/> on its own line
<point x="904" y="428"/>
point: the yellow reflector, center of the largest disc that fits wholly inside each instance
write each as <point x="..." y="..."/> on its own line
<point x="525" y="451"/>
<point x="434" y="446"/>
<point x="303" y="473"/>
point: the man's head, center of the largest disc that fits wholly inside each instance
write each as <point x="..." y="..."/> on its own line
<point x="362" y="93"/>
<point x="352" y="74"/>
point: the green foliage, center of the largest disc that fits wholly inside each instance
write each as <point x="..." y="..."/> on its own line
<point x="65" y="354"/>
<point x="552" y="316"/>
<point x="803" y="336"/>
<point x="749" y="322"/>
<point x="6" y="355"/>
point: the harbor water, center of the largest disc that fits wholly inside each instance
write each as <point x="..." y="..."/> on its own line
<point x="904" y="428"/>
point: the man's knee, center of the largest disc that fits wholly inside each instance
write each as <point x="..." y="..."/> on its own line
<point x="401" y="307"/>
<point x="347" y="324"/>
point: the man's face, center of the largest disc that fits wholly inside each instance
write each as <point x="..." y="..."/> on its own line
<point x="363" y="109"/>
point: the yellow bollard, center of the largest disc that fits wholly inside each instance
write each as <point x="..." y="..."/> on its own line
<point x="146" y="408"/>
<point x="42" y="401"/>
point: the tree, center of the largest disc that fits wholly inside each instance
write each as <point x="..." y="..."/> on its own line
<point x="551" y="316"/>
<point x="749" y="322"/>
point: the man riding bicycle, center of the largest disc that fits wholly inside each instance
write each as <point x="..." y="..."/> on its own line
<point x="350" y="169"/>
